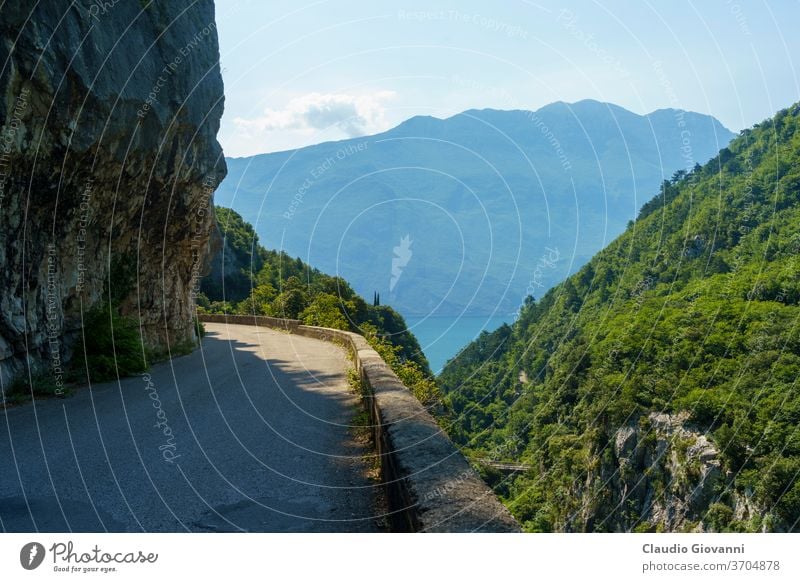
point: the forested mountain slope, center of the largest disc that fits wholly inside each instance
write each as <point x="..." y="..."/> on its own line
<point x="656" y="389"/>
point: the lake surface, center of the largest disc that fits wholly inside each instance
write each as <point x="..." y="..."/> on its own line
<point x="441" y="338"/>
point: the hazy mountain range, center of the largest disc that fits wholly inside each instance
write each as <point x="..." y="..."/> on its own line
<point x="472" y="213"/>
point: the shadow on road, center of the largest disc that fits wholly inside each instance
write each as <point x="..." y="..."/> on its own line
<point x="249" y="433"/>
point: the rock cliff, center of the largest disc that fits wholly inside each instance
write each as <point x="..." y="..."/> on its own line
<point x="108" y="162"/>
<point x="666" y="474"/>
<point x="661" y="474"/>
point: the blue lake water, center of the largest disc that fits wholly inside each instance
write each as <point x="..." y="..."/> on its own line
<point x="442" y="337"/>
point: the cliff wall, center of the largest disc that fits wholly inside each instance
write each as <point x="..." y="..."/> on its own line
<point x="108" y="162"/>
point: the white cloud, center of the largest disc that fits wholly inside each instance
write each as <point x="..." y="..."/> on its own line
<point x="355" y="115"/>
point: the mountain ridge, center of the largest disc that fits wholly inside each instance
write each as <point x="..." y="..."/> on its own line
<point x="473" y="111"/>
<point x="462" y="188"/>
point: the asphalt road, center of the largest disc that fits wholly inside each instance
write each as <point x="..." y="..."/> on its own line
<point x="249" y="433"/>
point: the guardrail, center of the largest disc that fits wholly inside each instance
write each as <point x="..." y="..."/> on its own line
<point x="430" y="485"/>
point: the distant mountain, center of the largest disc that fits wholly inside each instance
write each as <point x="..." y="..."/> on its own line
<point x="656" y="389"/>
<point x="472" y="213"/>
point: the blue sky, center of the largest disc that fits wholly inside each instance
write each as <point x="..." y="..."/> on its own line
<point x="298" y="73"/>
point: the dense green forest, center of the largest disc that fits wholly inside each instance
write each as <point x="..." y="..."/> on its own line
<point x="247" y="279"/>
<point x="656" y="389"/>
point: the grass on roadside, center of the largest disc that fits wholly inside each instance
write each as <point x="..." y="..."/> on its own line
<point x="39" y="384"/>
<point x="361" y="426"/>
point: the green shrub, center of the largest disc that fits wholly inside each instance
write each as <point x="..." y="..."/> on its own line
<point x="325" y="311"/>
<point x="199" y="328"/>
<point x="410" y="373"/>
<point x="290" y="303"/>
<point x="111" y="345"/>
<point x="718" y="517"/>
<point x="24" y="387"/>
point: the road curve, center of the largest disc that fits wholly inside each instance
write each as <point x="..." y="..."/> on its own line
<point x="249" y="433"/>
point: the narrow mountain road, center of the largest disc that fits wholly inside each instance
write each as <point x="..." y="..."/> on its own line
<point x="249" y="433"/>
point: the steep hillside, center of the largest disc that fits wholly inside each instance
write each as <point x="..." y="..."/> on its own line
<point x="656" y="389"/>
<point x="237" y="258"/>
<point x="109" y="119"/>
<point x="489" y="203"/>
<point x="248" y="279"/>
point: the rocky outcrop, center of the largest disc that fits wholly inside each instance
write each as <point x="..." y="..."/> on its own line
<point x="662" y="474"/>
<point x="108" y="163"/>
<point x="670" y="469"/>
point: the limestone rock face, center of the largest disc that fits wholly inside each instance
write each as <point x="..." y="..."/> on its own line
<point x="108" y="162"/>
<point x="662" y="474"/>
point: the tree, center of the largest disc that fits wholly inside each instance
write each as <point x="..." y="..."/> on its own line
<point x="325" y="311"/>
<point x="259" y="302"/>
<point x="290" y="304"/>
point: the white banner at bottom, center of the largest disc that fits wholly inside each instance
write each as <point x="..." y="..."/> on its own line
<point x="354" y="557"/>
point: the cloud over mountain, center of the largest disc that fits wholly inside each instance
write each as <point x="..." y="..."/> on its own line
<point x="355" y="115"/>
